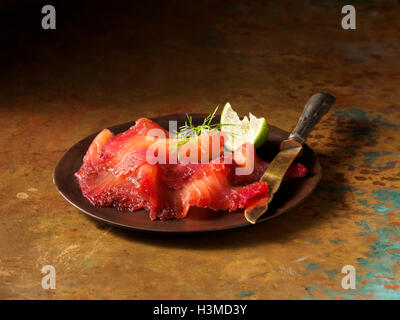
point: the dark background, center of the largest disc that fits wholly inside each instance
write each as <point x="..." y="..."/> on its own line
<point x="194" y="54"/>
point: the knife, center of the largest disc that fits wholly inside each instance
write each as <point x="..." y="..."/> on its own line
<point x="316" y="107"/>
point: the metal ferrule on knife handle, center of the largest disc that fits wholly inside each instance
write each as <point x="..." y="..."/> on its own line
<point x="316" y="107"/>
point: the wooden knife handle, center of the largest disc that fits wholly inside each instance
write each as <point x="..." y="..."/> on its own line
<point x="318" y="105"/>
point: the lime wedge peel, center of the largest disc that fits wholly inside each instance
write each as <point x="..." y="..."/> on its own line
<point x="250" y="129"/>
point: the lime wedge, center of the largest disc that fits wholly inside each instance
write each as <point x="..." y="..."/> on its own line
<point x="250" y="129"/>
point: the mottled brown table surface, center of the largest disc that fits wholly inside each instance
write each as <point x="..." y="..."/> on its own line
<point x="105" y="65"/>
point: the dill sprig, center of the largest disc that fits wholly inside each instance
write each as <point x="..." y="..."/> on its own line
<point x="189" y="130"/>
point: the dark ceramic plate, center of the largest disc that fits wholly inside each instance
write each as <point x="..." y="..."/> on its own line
<point x="289" y="195"/>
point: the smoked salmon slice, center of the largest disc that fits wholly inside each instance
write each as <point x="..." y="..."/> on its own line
<point x="122" y="171"/>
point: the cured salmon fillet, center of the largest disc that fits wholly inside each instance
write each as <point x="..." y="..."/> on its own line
<point x="115" y="171"/>
<point x="119" y="171"/>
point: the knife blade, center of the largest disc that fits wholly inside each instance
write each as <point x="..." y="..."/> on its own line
<point x="316" y="107"/>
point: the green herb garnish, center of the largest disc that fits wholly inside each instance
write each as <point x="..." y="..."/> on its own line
<point x="189" y="130"/>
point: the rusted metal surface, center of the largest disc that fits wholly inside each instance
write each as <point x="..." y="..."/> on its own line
<point x="114" y="64"/>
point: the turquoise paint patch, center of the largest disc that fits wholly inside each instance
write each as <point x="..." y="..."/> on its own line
<point x="336" y="241"/>
<point x="365" y="225"/>
<point x="352" y="114"/>
<point x="333" y="294"/>
<point x="359" y="193"/>
<point x="331" y="274"/>
<point x="312" y="267"/>
<point x="380" y="263"/>
<point x="309" y="290"/>
<point x="388" y="195"/>
<point x="390" y="199"/>
<point x="370" y="157"/>
<point x="337" y="294"/>
<point x="243" y="294"/>
<point x="312" y="288"/>
<point x="364" y="202"/>
<point x="390" y="125"/>
<point x="363" y="116"/>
